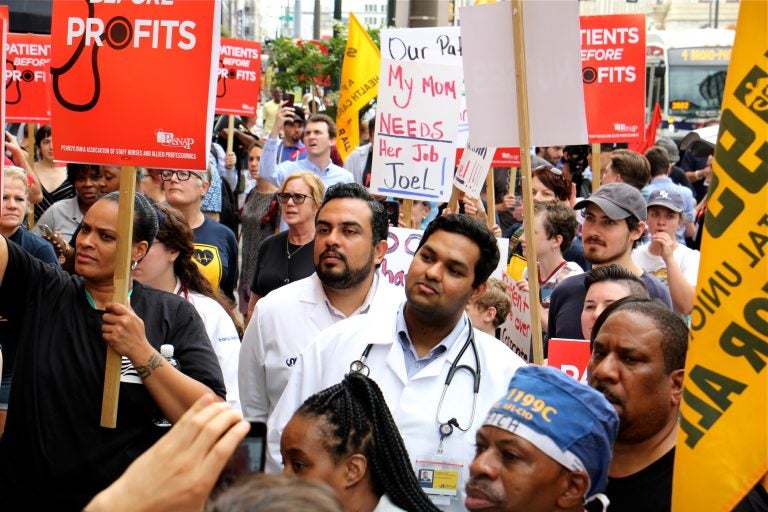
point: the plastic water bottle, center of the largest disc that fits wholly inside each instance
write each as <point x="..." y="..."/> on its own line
<point x="167" y="352"/>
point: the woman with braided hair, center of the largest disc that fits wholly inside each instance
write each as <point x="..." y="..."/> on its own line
<point x="346" y="437"/>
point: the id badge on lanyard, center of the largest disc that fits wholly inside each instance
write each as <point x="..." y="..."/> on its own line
<point x="440" y="477"/>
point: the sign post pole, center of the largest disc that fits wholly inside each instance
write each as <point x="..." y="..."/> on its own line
<point x="597" y="166"/>
<point x="525" y="160"/>
<point x="122" y="281"/>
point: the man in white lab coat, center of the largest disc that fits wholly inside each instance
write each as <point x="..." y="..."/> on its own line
<point x="350" y="242"/>
<point x="413" y="352"/>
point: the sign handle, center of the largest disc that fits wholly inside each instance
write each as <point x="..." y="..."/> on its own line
<point x="525" y="161"/>
<point x="408" y="213"/>
<point x="31" y="129"/>
<point x="230" y="133"/>
<point x="512" y="180"/>
<point x="597" y="166"/>
<point x="122" y="282"/>
<point x="490" y="199"/>
<point x="453" y="202"/>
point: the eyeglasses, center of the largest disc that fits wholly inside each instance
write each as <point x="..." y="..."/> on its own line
<point x="167" y="174"/>
<point x="283" y="197"/>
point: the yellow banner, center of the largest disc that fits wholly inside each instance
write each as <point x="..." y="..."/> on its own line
<point x="359" y="84"/>
<point x="722" y="443"/>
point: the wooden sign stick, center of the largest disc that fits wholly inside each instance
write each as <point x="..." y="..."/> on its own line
<point x="512" y="180"/>
<point x="490" y="199"/>
<point x="525" y="155"/>
<point x="230" y="133"/>
<point x="31" y="129"/>
<point x="408" y="213"/>
<point x="122" y="282"/>
<point x="453" y="202"/>
<point x="597" y="166"/>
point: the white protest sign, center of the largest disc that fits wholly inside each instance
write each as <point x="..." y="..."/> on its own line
<point x="516" y="329"/>
<point x="473" y="169"/>
<point x="401" y="246"/>
<point x="553" y="66"/>
<point x="414" y="150"/>
<point x="439" y="45"/>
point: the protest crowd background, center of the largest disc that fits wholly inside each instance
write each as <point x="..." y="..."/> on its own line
<point x="472" y="268"/>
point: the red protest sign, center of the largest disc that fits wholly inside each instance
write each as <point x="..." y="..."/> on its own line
<point x="613" y="72"/>
<point x="28" y="78"/>
<point x="570" y="356"/>
<point x="503" y="157"/>
<point x="132" y="82"/>
<point x="237" y="84"/>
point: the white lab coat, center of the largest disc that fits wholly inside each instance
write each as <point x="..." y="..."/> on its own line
<point x="413" y="402"/>
<point x="283" y="324"/>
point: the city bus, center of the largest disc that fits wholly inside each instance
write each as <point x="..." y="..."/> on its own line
<point x="685" y="75"/>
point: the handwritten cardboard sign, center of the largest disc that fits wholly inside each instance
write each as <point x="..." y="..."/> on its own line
<point x="516" y="329"/>
<point x="613" y="71"/>
<point x="28" y="78"/>
<point x="237" y="84"/>
<point x="441" y="45"/>
<point x="414" y="149"/>
<point x="134" y="83"/>
<point x="402" y="244"/>
<point x="570" y="356"/>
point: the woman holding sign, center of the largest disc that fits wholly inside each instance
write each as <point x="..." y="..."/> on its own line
<point x="52" y="436"/>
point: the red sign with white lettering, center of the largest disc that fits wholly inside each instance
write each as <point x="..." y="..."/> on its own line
<point x="613" y="71"/>
<point x="570" y="356"/>
<point x="28" y="78"/>
<point x="237" y="84"/>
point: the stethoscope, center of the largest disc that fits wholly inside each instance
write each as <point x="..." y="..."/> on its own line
<point x="446" y="427"/>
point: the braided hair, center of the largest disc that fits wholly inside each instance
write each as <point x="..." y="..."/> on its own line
<point x="362" y="423"/>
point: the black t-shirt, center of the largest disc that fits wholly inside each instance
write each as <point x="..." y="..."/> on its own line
<point x="53" y="454"/>
<point x="650" y="489"/>
<point x="274" y="269"/>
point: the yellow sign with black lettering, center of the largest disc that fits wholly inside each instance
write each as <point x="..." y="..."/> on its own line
<point x="722" y="444"/>
<point x="359" y="85"/>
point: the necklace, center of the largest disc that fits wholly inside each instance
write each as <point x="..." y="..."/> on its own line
<point x="288" y="252"/>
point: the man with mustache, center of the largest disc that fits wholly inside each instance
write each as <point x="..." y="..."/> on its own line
<point x="437" y="374"/>
<point x="637" y="362"/>
<point x="350" y="242"/>
<point x="614" y="221"/>
<point x="545" y="446"/>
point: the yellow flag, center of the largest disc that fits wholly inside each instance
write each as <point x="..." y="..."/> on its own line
<point x="359" y="84"/>
<point x="722" y="443"/>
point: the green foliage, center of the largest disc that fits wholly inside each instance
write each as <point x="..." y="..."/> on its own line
<point x="304" y="64"/>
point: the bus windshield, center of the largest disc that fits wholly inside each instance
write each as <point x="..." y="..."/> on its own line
<point x="696" y="90"/>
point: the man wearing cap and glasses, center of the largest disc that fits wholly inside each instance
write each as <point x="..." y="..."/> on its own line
<point x="545" y="446"/>
<point x="614" y="220"/>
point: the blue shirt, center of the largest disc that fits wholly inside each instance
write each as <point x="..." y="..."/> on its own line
<point x="413" y="364"/>
<point x="276" y="173"/>
<point x="291" y="153"/>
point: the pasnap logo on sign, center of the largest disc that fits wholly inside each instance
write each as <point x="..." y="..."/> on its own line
<point x="621" y="127"/>
<point x="169" y="139"/>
